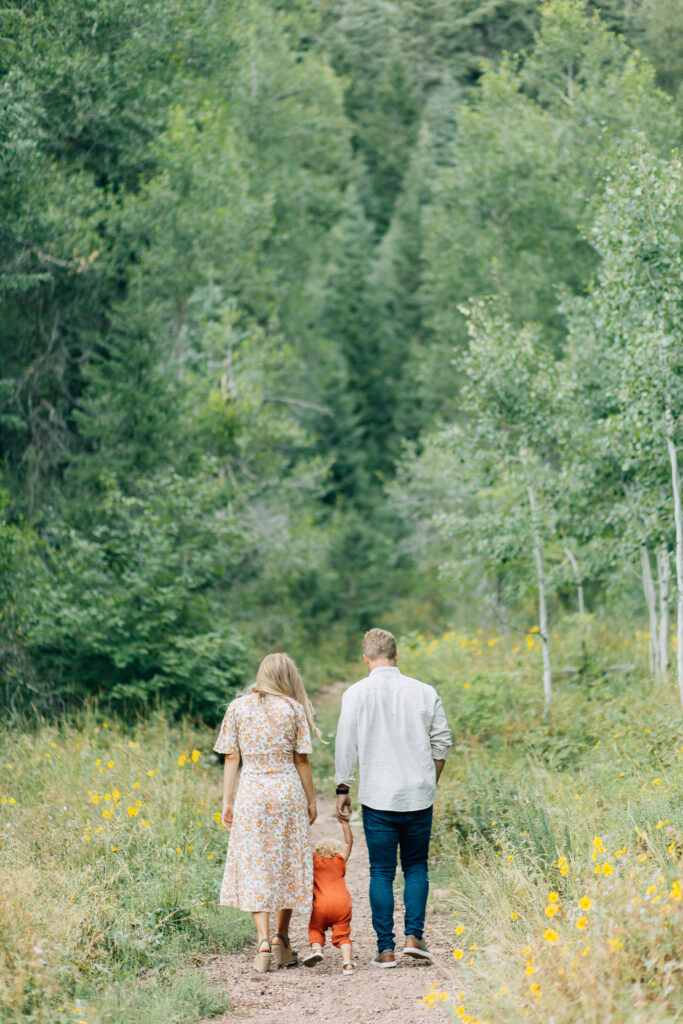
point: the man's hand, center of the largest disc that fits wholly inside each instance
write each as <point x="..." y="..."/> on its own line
<point x="344" y="807"/>
<point x="226" y="816"/>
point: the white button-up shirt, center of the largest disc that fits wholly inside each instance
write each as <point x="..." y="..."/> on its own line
<point x="393" y="728"/>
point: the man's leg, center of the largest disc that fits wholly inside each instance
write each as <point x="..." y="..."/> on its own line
<point x="381" y="836"/>
<point x="415" y="833"/>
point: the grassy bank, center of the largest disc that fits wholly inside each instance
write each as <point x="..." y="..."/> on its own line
<point x="110" y="861"/>
<point x="559" y="846"/>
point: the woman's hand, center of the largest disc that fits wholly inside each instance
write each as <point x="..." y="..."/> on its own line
<point x="226" y="815"/>
<point x="312" y="813"/>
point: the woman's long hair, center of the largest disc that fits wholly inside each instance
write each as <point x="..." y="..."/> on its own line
<point x="279" y="675"/>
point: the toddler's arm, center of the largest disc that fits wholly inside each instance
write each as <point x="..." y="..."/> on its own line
<point x="348" y="839"/>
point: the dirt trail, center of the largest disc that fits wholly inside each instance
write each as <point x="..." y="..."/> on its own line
<point x="320" y="995"/>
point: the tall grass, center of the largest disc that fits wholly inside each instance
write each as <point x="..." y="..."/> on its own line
<point x="111" y="856"/>
<point x="561" y="844"/>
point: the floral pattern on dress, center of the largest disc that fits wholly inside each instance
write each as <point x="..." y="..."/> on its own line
<point x="269" y="865"/>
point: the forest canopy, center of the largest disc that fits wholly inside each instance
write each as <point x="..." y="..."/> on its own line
<point x="311" y="309"/>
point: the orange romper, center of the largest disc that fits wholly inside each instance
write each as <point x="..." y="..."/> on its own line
<point x="331" y="901"/>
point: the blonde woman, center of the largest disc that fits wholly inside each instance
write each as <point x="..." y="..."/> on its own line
<point x="269" y="866"/>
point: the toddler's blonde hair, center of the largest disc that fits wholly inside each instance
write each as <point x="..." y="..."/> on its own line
<point x="327" y="847"/>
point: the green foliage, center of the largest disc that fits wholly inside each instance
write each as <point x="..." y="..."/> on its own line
<point x="116" y="894"/>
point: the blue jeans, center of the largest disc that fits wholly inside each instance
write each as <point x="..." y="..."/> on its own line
<point x="385" y="833"/>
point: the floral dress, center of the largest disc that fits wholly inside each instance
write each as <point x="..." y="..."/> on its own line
<point x="270" y="858"/>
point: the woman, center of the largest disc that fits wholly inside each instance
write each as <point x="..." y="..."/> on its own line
<point x="269" y="867"/>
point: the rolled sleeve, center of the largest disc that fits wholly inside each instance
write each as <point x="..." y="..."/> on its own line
<point x="439" y="733"/>
<point x="346" y="745"/>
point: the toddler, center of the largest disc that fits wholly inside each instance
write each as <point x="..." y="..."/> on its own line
<point x="331" y="900"/>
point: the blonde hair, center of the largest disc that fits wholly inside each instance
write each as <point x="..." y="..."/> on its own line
<point x="379" y="643"/>
<point x="327" y="848"/>
<point x="277" y="674"/>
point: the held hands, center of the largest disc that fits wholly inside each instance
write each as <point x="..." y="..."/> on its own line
<point x="226" y="815"/>
<point x="344" y="807"/>
<point x="312" y="813"/>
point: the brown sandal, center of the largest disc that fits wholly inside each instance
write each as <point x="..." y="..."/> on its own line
<point x="283" y="954"/>
<point x="262" y="958"/>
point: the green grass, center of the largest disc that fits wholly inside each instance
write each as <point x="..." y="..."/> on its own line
<point x="111" y="857"/>
<point x="111" y="860"/>
<point x="587" y="807"/>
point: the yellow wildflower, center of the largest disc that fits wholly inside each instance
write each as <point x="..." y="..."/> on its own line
<point x="457" y="954"/>
<point x="606" y="869"/>
<point x="549" y="935"/>
<point x="585" y="902"/>
<point x="581" y="923"/>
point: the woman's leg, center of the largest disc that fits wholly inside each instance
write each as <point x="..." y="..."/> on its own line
<point x="262" y="922"/>
<point x="283" y="919"/>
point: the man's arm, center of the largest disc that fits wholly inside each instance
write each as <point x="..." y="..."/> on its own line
<point x="345" y="757"/>
<point x="439" y="737"/>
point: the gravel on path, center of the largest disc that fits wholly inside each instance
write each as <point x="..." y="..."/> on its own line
<point x="321" y="995"/>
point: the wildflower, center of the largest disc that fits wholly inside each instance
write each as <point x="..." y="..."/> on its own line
<point x="586" y="951"/>
<point x="615" y="944"/>
<point x="581" y="923"/>
<point x="461" y="1011"/>
<point x="98" y="762"/>
<point x="676" y="891"/>
<point x="110" y="764"/>
<point x="648" y="892"/>
<point x="598" y="845"/>
<point x="562" y="865"/>
<point x="535" y="986"/>
<point x="474" y="946"/>
<point x="144" y="824"/>
<point x="217" y="817"/>
<point x="457" y="954"/>
<point x="529" y="969"/>
<point x="150" y="772"/>
<point x="553" y="897"/>
<point x="551" y="909"/>
<point x="585" y="902"/>
<point x="180" y="761"/>
<point x="132" y="811"/>
<point x="549" y="935"/>
<point x="136" y="785"/>
<point x="606" y="869"/>
<point x="514" y="916"/>
<point x="195" y="755"/>
<point x="459" y="929"/>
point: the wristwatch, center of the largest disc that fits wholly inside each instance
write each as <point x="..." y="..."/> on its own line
<point x="342" y="790"/>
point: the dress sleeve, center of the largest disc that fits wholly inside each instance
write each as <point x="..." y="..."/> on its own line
<point x="302" y="744"/>
<point x="227" y="737"/>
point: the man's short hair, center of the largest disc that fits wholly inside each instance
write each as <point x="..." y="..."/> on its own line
<point x="379" y="643"/>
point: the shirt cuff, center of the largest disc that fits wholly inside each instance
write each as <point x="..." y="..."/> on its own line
<point x="440" y="753"/>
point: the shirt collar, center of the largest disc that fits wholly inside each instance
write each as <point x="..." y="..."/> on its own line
<point x="384" y="668"/>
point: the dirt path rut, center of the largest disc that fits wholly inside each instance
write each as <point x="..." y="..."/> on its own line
<point x="320" y="995"/>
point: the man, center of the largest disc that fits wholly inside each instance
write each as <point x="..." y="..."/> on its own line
<point x="394" y="729"/>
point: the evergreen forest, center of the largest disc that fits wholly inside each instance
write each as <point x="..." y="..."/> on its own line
<point x="318" y="313"/>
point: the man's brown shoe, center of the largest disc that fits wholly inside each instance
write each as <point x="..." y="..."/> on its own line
<point x="417" y="949"/>
<point x="386" y="958"/>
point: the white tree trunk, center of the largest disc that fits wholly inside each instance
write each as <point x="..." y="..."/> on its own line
<point x="542" y="608"/>
<point x="663" y="576"/>
<point x="651" y="602"/>
<point x="678" y="517"/>
<point x="577" y="579"/>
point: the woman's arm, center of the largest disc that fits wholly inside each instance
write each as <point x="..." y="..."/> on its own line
<point x="232" y="767"/>
<point x="348" y="839"/>
<point x="303" y="766"/>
